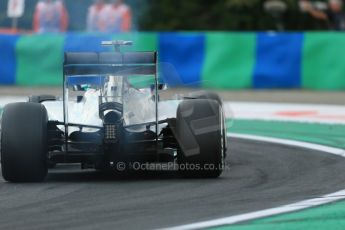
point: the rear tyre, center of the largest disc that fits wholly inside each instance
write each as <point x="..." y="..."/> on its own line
<point x="24" y="142"/>
<point x="213" y="96"/>
<point x="199" y="131"/>
<point x="40" y="99"/>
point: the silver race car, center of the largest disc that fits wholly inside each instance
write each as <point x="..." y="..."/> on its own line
<point x="111" y="112"/>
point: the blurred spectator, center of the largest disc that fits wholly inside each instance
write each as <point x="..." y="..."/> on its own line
<point x="50" y="17"/>
<point x="118" y="17"/>
<point x="95" y="17"/>
<point x="334" y="14"/>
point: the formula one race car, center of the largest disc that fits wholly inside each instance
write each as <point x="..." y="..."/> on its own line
<point x="111" y="112"/>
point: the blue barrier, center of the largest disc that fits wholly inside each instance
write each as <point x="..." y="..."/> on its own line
<point x="278" y="61"/>
<point x="186" y="53"/>
<point x="8" y="64"/>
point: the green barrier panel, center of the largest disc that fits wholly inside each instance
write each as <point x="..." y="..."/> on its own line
<point x="230" y="60"/>
<point x="39" y="60"/>
<point x="323" y="64"/>
<point x="141" y="41"/>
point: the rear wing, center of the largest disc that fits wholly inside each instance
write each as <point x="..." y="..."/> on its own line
<point x="128" y="63"/>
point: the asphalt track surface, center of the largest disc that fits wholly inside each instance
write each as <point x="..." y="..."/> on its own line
<point x="262" y="175"/>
